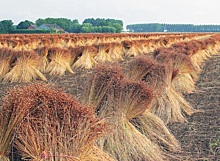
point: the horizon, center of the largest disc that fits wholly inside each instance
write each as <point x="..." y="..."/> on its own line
<point x="196" y="12"/>
<point x="124" y="26"/>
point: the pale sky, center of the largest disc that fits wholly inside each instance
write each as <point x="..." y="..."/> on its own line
<point x="130" y="12"/>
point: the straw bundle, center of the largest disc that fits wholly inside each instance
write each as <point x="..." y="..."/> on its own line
<point x="116" y="51"/>
<point x="6" y="58"/>
<point x="26" y="68"/>
<point x="55" y="42"/>
<point x="118" y="101"/>
<point x="130" y="48"/>
<point x="60" y="61"/>
<point x="125" y="101"/>
<point x="12" y="111"/>
<point x="103" y="77"/>
<point x="12" y="44"/>
<point x="148" y="46"/>
<point x="79" y="40"/>
<point x="155" y="129"/>
<point x="187" y="74"/>
<point x="87" y="59"/>
<point x="98" y="155"/>
<point x="103" y="53"/>
<point x="42" y="52"/>
<point x="168" y="104"/>
<point x="33" y="43"/>
<point x="3" y="43"/>
<point x="56" y="127"/>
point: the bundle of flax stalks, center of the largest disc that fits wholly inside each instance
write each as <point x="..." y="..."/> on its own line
<point x="87" y="60"/>
<point x="42" y="52"/>
<point x="6" y="59"/>
<point x="56" y="127"/>
<point x="186" y="75"/>
<point x="60" y="61"/>
<point x="10" y="118"/>
<point x="119" y="101"/>
<point x="25" y="67"/>
<point x="103" y="53"/>
<point x="99" y="81"/>
<point x="169" y="105"/>
<point x="116" y="51"/>
<point x="130" y="48"/>
<point x="123" y="102"/>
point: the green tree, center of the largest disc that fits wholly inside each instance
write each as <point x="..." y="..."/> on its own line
<point x="64" y="23"/>
<point x="40" y="21"/>
<point x="6" y="26"/>
<point x="24" y="24"/>
<point x="117" y="27"/>
<point x="1" y="29"/>
<point x="172" y="28"/>
<point x="86" y="28"/>
<point x="76" y="28"/>
<point x="108" y="29"/>
<point x="117" y="24"/>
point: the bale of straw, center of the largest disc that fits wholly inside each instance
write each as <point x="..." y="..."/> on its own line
<point x="42" y="52"/>
<point x="124" y="101"/>
<point x="103" y="53"/>
<point x="87" y="59"/>
<point x="116" y="51"/>
<point x="103" y="77"/>
<point x="6" y="59"/>
<point x="12" y="111"/>
<point x="148" y="46"/>
<point x="105" y="87"/>
<point x="55" y="42"/>
<point x="127" y="143"/>
<point x="168" y="104"/>
<point x="139" y="67"/>
<point x="150" y="125"/>
<point x="4" y="158"/>
<point x="3" y="43"/>
<point x="99" y="155"/>
<point x="155" y="129"/>
<point x="26" y="68"/>
<point x="56" y="126"/>
<point x="130" y="48"/>
<point x="60" y="61"/>
<point x="187" y="73"/>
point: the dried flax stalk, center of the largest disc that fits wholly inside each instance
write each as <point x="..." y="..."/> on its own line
<point x="87" y="59"/>
<point x="124" y="101"/>
<point x="60" y="61"/>
<point x="56" y="127"/>
<point x="6" y="58"/>
<point x="25" y="69"/>
<point x="169" y="105"/>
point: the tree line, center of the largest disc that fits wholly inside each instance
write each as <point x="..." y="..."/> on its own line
<point x="157" y="27"/>
<point x="89" y="25"/>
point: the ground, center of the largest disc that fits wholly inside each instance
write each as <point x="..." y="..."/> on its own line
<point x="200" y="136"/>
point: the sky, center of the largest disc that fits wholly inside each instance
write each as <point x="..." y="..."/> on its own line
<point x="129" y="11"/>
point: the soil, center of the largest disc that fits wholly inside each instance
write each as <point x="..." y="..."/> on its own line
<point x="200" y="136"/>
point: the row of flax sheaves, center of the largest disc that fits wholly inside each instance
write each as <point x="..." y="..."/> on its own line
<point x="121" y="114"/>
<point x="24" y="58"/>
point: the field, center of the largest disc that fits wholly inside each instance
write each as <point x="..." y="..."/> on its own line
<point x="110" y="97"/>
